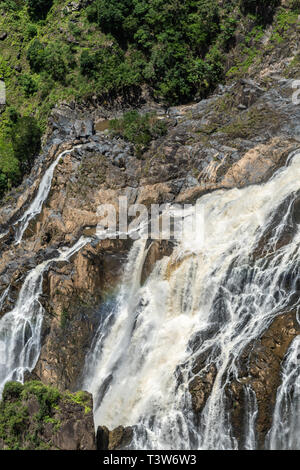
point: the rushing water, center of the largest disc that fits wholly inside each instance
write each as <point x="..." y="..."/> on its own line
<point x="20" y="329"/>
<point x="285" y="433"/>
<point x="36" y="206"/>
<point x="211" y="297"/>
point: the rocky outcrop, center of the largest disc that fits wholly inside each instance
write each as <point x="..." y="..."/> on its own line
<point x="156" y="251"/>
<point x="34" y="416"/>
<point x="201" y="386"/>
<point x="119" y="438"/>
<point x="73" y="293"/>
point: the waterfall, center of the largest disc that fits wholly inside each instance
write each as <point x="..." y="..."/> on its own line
<point x="20" y="329"/>
<point x="284" y="434"/>
<point x="3" y="296"/>
<point x="209" y="299"/>
<point x="36" y="206"/>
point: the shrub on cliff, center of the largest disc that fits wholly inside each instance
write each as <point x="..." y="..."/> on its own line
<point x="49" y="59"/>
<point x="32" y="416"/>
<point x="138" y="129"/>
<point x="20" y="143"/>
<point x="26" y="140"/>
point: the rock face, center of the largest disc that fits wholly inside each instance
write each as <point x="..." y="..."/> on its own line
<point x="34" y="416"/>
<point x="260" y="368"/>
<point x="117" y="439"/>
<point x="72" y="295"/>
<point x="240" y="136"/>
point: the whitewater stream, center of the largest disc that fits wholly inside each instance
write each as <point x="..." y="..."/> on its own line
<point x="20" y="329"/>
<point x="210" y="298"/>
<point x="36" y="206"/>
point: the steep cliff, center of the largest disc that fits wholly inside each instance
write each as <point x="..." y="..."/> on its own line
<point x="239" y="136"/>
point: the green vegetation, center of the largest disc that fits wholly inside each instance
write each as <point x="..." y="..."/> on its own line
<point x="245" y="124"/>
<point x="81" y="398"/>
<point x="48" y="397"/>
<point x="64" y="318"/>
<point x="14" y="415"/>
<point x="20" y="142"/>
<point x="282" y="23"/>
<point x="21" y="430"/>
<point x="114" y="48"/>
<point x="138" y="129"/>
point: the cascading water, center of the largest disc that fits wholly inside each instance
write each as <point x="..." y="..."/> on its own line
<point x="209" y="299"/>
<point x="36" y="206"/>
<point x="20" y="329"/>
<point x="284" y="434"/>
<point x="3" y="296"/>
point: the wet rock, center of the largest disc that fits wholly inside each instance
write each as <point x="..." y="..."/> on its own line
<point x="72" y="295"/>
<point x="201" y="386"/>
<point x="156" y="251"/>
<point x="260" y="368"/>
<point x="117" y="439"/>
<point x="48" y="419"/>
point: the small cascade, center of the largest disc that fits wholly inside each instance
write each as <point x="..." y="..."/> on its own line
<point x="251" y="415"/>
<point x="20" y="329"/>
<point x="36" y="206"/>
<point x="284" y="434"/>
<point x="3" y="296"/>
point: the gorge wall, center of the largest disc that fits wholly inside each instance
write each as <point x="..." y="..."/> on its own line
<point x="237" y="139"/>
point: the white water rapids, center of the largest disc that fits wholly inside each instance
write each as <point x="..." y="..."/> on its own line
<point x="285" y="433"/>
<point x="209" y="299"/>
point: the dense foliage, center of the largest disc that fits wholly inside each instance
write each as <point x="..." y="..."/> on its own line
<point x="138" y="129"/>
<point x="21" y="430"/>
<point x="18" y="146"/>
<point x="60" y="50"/>
<point x="171" y="40"/>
